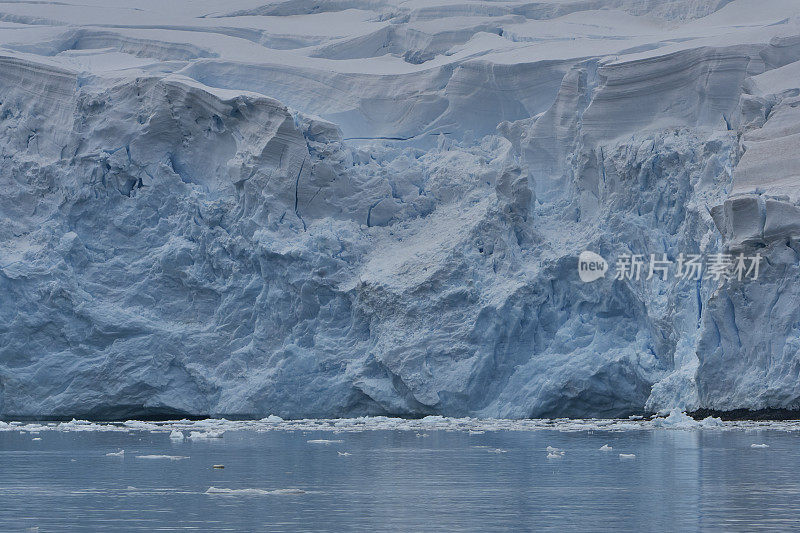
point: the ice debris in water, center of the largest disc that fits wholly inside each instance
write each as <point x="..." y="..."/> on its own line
<point x="176" y="435"/>
<point x="627" y="456"/>
<point x="251" y="492"/>
<point x="380" y="423"/>
<point x="605" y="448"/>
<point x="204" y="435"/>
<point x="554" y="453"/>
<point x="759" y="445"/>
<point x="678" y="419"/>
<point x="120" y="453"/>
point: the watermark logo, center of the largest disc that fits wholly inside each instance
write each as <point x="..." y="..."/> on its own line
<point x="591" y="266"/>
<point x="718" y="266"/>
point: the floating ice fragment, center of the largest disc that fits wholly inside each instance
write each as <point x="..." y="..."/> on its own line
<point x="272" y="419"/>
<point x="323" y="441"/>
<point x="120" y="453"/>
<point x="176" y="435"/>
<point x="627" y="456"/>
<point x="554" y="453"/>
<point x="434" y="420"/>
<point x="677" y="419"/>
<point x="498" y="450"/>
<point x="202" y="435"/>
<point x="36" y="438"/>
<point x="343" y="454"/>
<point x="605" y="448"/>
<point x="710" y="421"/>
<point x="759" y="445"/>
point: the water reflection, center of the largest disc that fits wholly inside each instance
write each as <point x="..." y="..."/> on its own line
<point x="402" y="480"/>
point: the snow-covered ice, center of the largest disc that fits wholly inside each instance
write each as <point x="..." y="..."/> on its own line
<point x="339" y="209"/>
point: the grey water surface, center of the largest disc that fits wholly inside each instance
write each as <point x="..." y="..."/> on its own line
<point x="694" y="480"/>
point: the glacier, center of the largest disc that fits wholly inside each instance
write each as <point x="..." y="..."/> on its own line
<point x="345" y="208"/>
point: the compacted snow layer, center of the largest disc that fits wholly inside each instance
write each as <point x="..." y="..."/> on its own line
<point x="346" y="208"/>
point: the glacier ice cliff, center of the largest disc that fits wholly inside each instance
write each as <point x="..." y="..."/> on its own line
<point x="357" y="207"/>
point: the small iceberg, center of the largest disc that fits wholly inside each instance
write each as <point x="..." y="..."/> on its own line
<point x="343" y="454"/>
<point x="627" y="456"/>
<point x="759" y="445"/>
<point x="605" y="448"/>
<point x="176" y="435"/>
<point x="120" y="453"/>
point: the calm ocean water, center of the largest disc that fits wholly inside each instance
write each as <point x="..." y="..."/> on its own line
<point x="679" y="480"/>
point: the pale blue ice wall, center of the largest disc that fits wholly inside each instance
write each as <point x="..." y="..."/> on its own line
<point x="169" y="247"/>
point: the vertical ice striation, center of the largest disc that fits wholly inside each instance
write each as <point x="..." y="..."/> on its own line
<point x="376" y="207"/>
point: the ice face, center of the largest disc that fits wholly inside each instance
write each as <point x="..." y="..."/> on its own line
<point x="369" y="208"/>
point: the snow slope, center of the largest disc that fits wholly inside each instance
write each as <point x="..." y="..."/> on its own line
<point x="371" y="207"/>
